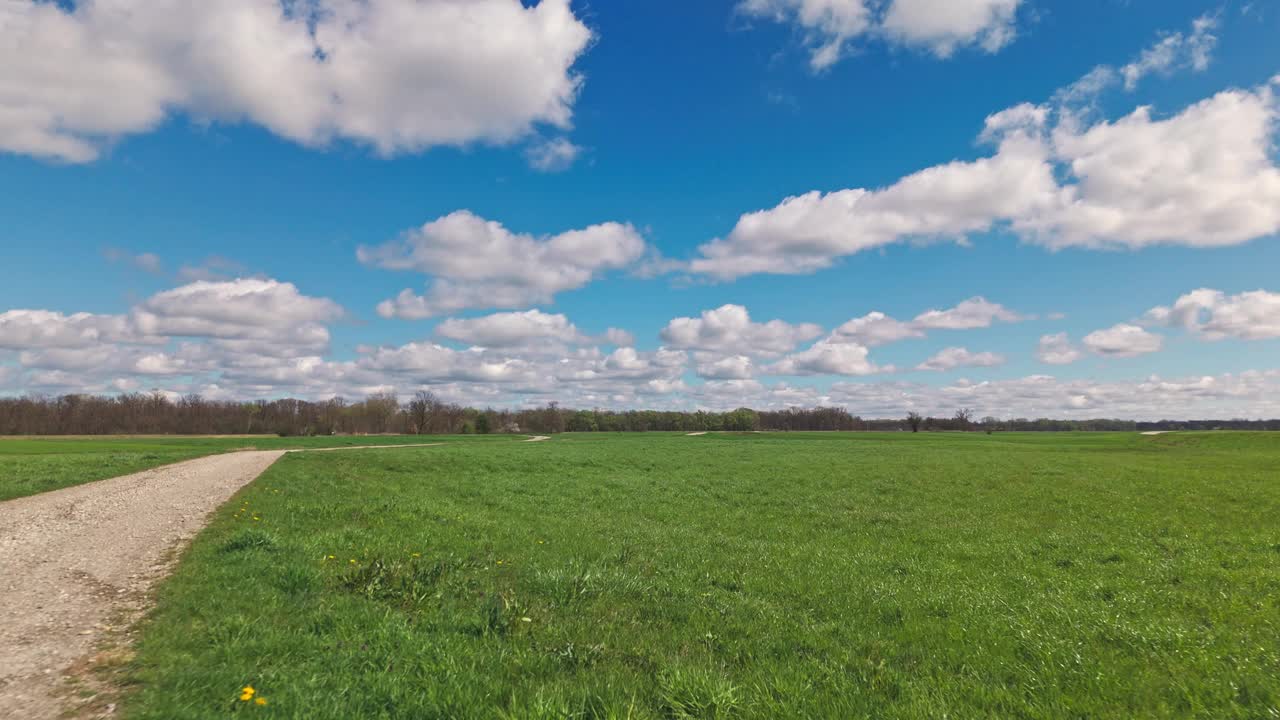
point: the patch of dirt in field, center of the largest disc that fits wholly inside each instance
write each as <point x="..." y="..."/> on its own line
<point x="692" y="434"/>
<point x="76" y="566"/>
<point x="1155" y="432"/>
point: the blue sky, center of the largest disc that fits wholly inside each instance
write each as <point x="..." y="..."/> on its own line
<point x="681" y="118"/>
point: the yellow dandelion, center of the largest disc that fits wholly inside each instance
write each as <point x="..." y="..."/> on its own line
<point x="260" y="701"/>
<point x="246" y="694"/>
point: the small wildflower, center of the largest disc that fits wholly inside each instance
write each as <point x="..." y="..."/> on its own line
<point x="499" y="562"/>
<point x="246" y="694"/>
<point x="260" y="701"/>
<point x="541" y="542"/>
<point x="415" y="554"/>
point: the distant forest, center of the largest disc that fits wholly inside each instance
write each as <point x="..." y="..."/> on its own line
<point x="426" y="414"/>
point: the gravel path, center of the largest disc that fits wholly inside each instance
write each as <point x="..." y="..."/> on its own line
<point x="75" y="560"/>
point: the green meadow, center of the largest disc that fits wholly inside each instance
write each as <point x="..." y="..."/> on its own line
<point x="30" y="465"/>
<point x="735" y="576"/>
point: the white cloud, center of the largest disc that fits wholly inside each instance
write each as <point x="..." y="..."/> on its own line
<point x="619" y="337"/>
<point x="1204" y="177"/>
<point x="552" y="155"/>
<point x="27" y="329"/>
<point x="268" y="313"/>
<point x="829" y="27"/>
<point x="956" y="357"/>
<point x="1253" y="394"/>
<point x="729" y="329"/>
<point x="1123" y="340"/>
<point x="810" y="232"/>
<point x="1056" y="349"/>
<point x="828" y="357"/>
<point x="1173" y="51"/>
<point x="976" y="312"/>
<point x="1201" y="178"/>
<point x="1215" y="315"/>
<point x="727" y="368"/>
<point x="428" y="362"/>
<point x="511" y="329"/>
<point x="396" y="75"/>
<point x="876" y="328"/>
<point x="944" y="25"/>
<point x="478" y="263"/>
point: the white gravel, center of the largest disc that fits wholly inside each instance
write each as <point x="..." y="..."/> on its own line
<point x="74" y="560"/>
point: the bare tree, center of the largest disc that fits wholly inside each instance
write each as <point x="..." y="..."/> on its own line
<point x="964" y="418"/>
<point x="421" y="408"/>
<point x="914" y="419"/>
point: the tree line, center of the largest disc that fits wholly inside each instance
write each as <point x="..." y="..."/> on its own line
<point x="426" y="414"/>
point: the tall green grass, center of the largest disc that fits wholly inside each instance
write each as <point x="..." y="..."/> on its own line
<point x="747" y="576"/>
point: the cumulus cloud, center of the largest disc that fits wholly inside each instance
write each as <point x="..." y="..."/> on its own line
<point x="727" y="368"/>
<point x="511" y="329"/>
<point x="729" y="329"/>
<point x="231" y="329"/>
<point x="27" y="329"/>
<point x="395" y="75"/>
<point x="1123" y="340"/>
<point x="1056" y="349"/>
<point x="267" y="313"/>
<point x="1203" y="177"/>
<point x="829" y="357"/>
<point x="944" y="25"/>
<point x="810" y="232"/>
<point x="876" y="328"/>
<point x="1253" y="394"/>
<point x="976" y="312"/>
<point x="829" y="27"/>
<point x="478" y="263"/>
<point x="1215" y="315"/>
<point x="620" y="337"/>
<point x="56" y="353"/>
<point x="957" y="357"/>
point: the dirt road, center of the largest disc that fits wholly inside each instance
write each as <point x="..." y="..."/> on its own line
<point x="72" y="561"/>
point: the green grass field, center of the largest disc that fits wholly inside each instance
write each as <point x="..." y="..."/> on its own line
<point x="35" y="465"/>
<point x="736" y="576"/>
